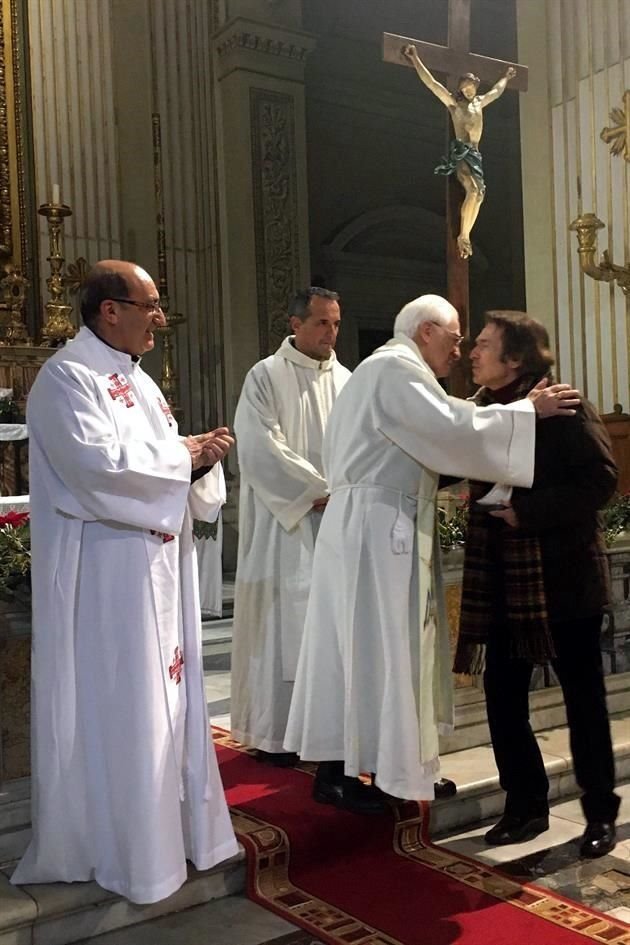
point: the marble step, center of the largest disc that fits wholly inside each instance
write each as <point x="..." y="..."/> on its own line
<point x="215" y="632"/>
<point x="63" y="913"/>
<point x="546" y="709"/>
<point x="479" y="796"/>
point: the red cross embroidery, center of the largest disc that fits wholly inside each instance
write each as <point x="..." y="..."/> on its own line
<point x="120" y="390"/>
<point x="163" y="535"/>
<point x="166" y="410"/>
<point x="175" y="669"/>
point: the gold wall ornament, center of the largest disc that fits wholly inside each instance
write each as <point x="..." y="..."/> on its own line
<point x="58" y="327"/>
<point x="76" y="273"/>
<point x="13" y="291"/>
<point x="586" y="227"/>
<point x="618" y="137"/>
<point x="168" y="375"/>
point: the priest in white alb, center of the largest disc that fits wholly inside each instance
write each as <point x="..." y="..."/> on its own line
<point x="280" y="420"/>
<point x="125" y="780"/>
<point x="373" y="688"/>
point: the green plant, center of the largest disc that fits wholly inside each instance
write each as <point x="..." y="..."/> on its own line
<point x="452" y="525"/>
<point x="8" y="411"/>
<point x="15" y="556"/>
<point x="616" y="517"/>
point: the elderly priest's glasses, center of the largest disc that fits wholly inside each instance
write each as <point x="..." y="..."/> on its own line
<point x="455" y="335"/>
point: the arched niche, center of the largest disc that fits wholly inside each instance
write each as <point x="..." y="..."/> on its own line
<point x="377" y="262"/>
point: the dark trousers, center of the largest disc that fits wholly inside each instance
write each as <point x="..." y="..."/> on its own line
<point x="578" y="665"/>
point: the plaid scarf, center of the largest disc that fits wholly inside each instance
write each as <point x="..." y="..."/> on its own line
<point x="503" y="579"/>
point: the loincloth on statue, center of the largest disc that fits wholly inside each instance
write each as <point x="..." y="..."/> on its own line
<point x="461" y="151"/>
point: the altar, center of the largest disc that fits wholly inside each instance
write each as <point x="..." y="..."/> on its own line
<point x="15" y="674"/>
<point x="15" y="648"/>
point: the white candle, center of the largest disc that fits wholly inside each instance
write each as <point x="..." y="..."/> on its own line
<point x="56" y="197"/>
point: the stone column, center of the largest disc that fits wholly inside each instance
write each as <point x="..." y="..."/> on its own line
<point x="537" y="165"/>
<point x="263" y="195"/>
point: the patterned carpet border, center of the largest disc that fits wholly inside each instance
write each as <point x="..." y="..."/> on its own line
<point x="269" y="883"/>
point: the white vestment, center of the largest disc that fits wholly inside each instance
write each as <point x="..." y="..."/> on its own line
<point x="125" y="779"/>
<point x="373" y="685"/>
<point x="209" y="551"/>
<point x="279" y="424"/>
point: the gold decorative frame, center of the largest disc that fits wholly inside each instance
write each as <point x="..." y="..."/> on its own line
<point x="13" y="229"/>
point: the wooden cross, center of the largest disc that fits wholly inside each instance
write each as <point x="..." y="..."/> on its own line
<point x="120" y="390"/>
<point x="453" y="61"/>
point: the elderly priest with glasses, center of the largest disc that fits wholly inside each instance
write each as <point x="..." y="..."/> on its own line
<point x="125" y="781"/>
<point x="373" y="685"/>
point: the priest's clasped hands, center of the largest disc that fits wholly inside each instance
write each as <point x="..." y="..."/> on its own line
<point x="206" y="449"/>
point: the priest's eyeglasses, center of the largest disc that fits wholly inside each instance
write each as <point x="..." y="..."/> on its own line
<point x="154" y="307"/>
<point x="457" y="338"/>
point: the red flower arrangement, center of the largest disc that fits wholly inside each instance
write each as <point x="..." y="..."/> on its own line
<point x="14" y="519"/>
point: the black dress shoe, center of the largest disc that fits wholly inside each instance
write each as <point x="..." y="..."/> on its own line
<point x="512" y="829"/>
<point x="444" y="788"/>
<point x="280" y="759"/>
<point x="598" y="840"/>
<point x="349" y="794"/>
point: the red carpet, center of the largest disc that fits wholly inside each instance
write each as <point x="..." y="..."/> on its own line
<point x="353" y="880"/>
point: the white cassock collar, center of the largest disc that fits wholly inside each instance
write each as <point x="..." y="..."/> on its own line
<point x="408" y="349"/>
<point x="289" y="352"/>
<point x="124" y="361"/>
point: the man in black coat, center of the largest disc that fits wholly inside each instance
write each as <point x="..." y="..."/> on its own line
<point x="534" y="590"/>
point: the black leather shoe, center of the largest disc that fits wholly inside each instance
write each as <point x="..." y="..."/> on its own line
<point x="511" y="829"/>
<point x="350" y="794"/>
<point x="444" y="788"/>
<point x="280" y="759"/>
<point x="598" y="840"/>
<point x="325" y="792"/>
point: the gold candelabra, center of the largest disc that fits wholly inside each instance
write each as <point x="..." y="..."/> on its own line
<point x="58" y="326"/>
<point x="13" y="290"/>
<point x="586" y="227"/>
<point x="168" y="376"/>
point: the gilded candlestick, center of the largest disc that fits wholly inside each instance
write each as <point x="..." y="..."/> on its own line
<point x="58" y="326"/>
<point x="168" y="376"/>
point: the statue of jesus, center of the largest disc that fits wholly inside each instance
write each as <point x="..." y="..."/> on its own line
<point x="464" y="158"/>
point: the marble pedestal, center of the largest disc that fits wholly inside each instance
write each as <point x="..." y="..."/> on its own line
<point x="15" y="676"/>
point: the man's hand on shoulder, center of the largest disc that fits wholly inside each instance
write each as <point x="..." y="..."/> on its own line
<point x="555" y="400"/>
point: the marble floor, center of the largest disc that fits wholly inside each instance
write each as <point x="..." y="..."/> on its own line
<point x="550" y="860"/>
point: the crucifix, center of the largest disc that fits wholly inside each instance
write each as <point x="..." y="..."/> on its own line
<point x="459" y="64"/>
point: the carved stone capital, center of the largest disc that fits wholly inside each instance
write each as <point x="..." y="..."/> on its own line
<point x="256" y="46"/>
